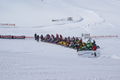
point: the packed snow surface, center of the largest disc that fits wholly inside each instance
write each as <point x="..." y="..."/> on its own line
<point x="31" y="60"/>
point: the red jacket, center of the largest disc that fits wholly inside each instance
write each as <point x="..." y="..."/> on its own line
<point x="94" y="48"/>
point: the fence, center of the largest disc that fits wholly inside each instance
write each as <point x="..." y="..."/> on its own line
<point x="6" y="24"/>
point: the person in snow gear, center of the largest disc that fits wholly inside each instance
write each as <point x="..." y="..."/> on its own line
<point x="41" y="38"/>
<point x="35" y="36"/>
<point x="94" y="43"/>
<point x="95" y="54"/>
<point x="77" y="47"/>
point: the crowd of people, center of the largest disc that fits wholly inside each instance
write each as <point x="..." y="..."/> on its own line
<point x="71" y="42"/>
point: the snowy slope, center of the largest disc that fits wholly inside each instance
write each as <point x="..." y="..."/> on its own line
<point x="39" y="13"/>
<point x="31" y="60"/>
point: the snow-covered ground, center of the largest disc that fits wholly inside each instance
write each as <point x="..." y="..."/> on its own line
<point x="31" y="60"/>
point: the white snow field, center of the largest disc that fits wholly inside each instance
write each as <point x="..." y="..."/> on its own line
<point x="31" y="60"/>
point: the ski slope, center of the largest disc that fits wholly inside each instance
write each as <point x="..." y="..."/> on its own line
<point x="31" y="60"/>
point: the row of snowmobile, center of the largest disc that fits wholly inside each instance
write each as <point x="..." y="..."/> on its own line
<point x="77" y="43"/>
<point x="70" y="42"/>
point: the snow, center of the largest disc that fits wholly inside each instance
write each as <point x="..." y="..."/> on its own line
<point x="31" y="60"/>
